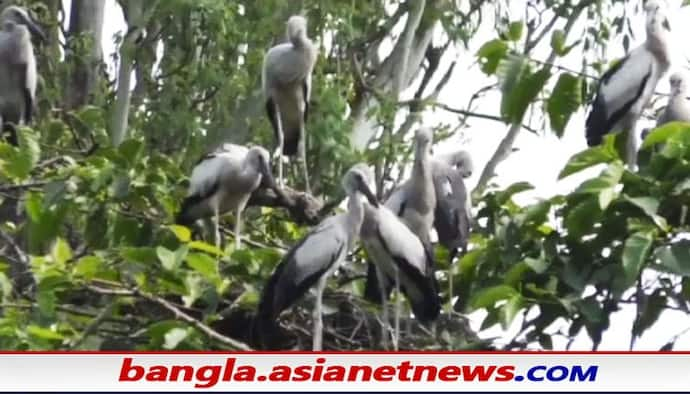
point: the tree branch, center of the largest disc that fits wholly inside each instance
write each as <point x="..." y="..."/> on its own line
<point x="505" y="147"/>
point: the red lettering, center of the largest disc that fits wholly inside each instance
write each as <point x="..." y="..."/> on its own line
<point x="480" y="371"/>
<point x="505" y="373"/>
<point x="419" y="371"/>
<point x="126" y="371"/>
<point x="450" y="373"/>
<point x="384" y="373"/>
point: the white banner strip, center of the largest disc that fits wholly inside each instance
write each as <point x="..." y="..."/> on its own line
<point x="304" y="372"/>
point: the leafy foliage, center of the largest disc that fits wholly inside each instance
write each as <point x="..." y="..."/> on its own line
<point x="90" y="259"/>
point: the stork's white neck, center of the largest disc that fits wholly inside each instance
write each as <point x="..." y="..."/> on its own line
<point x="355" y="215"/>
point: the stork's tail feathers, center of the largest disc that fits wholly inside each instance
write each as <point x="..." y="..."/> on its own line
<point x="597" y="123"/>
<point x="9" y="133"/>
<point x="291" y="142"/>
<point x="185" y="216"/>
<point x="372" y="291"/>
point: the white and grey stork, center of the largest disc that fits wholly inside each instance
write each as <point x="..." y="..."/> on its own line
<point x="414" y="202"/>
<point x="313" y="259"/>
<point x="18" y="73"/>
<point x="286" y="81"/>
<point x="398" y="253"/>
<point x="678" y="108"/>
<point x="626" y="89"/>
<point x="453" y="213"/>
<point x="224" y="180"/>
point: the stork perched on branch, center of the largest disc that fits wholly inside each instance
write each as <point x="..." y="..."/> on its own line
<point x="452" y="216"/>
<point x="453" y="213"/>
<point x="626" y="89"/>
<point x="399" y="254"/>
<point x="286" y="81"/>
<point x="315" y="258"/>
<point x="414" y="202"/>
<point x="224" y="180"/>
<point x="17" y="69"/>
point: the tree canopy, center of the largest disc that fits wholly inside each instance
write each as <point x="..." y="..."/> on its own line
<point x="90" y="257"/>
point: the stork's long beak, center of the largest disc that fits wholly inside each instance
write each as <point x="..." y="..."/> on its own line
<point x="364" y="188"/>
<point x="271" y="182"/>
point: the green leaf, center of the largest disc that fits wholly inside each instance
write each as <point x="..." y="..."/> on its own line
<point x="171" y="260"/>
<point x="674" y="258"/>
<point x="181" y="232"/>
<point x="174" y="337"/>
<point x="662" y="134"/>
<point x="581" y="218"/>
<point x="5" y="287"/>
<point x="17" y="162"/>
<point x="515" y="30"/>
<point x="652" y="308"/>
<point x="565" y="99"/>
<point x="504" y="195"/>
<point x="486" y="298"/>
<point x="558" y="42"/>
<point x="519" y="86"/>
<point x="204" y="264"/>
<point x="605" y="153"/>
<point x="604" y="185"/>
<point x="511" y="309"/>
<point x="130" y="150"/>
<point x="61" y="252"/>
<point x="143" y="255"/>
<point x="208" y="248"/>
<point x="537" y="265"/>
<point x="491" y="54"/>
<point x="649" y="205"/>
<point x="635" y="253"/>
<point x="88" y="266"/>
<point x="43" y="333"/>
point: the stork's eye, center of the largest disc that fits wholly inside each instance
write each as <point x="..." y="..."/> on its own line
<point x="666" y="25"/>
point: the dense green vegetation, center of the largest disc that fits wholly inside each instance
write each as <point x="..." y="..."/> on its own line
<point x="89" y="258"/>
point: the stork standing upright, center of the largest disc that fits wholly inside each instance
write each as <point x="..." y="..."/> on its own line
<point x="452" y="216"/>
<point x="17" y="69"/>
<point x="224" y="180"/>
<point x="286" y="82"/>
<point x="316" y="257"/>
<point x="414" y="202"/>
<point x="398" y="253"/>
<point x="626" y="89"/>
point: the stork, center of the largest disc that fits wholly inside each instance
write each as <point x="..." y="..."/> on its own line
<point x="453" y="213"/>
<point x="452" y="216"/>
<point x="678" y="108"/>
<point x="398" y="253"/>
<point x="17" y="69"/>
<point x="224" y="180"/>
<point x="316" y="257"/>
<point x="626" y="89"/>
<point x="414" y="202"/>
<point x="286" y="82"/>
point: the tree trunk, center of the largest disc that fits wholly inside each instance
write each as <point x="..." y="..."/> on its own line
<point x="86" y="18"/>
<point x="133" y="10"/>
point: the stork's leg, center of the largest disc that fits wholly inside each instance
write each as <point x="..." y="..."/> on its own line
<point x="280" y="135"/>
<point x="216" y="225"/>
<point x="398" y="307"/>
<point x="631" y="148"/>
<point x="384" y="305"/>
<point x="303" y="158"/>
<point x="317" y="341"/>
<point x="238" y="227"/>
